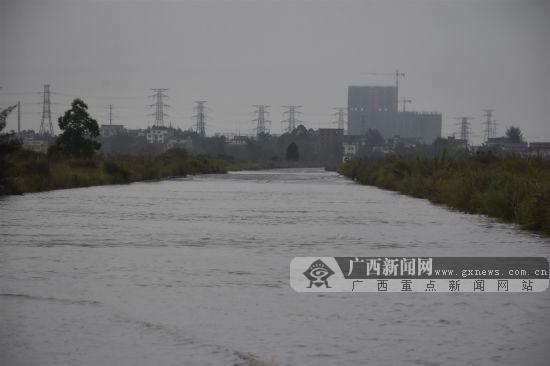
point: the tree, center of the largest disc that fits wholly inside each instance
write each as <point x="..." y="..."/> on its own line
<point x="79" y="132"/>
<point x="9" y="142"/>
<point x="292" y="152"/>
<point x="514" y="134"/>
<point x="374" y="138"/>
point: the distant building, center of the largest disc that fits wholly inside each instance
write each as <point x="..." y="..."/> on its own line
<point x="398" y="141"/>
<point x="540" y="149"/>
<point x="35" y="145"/>
<point x="450" y="143"/>
<point x="350" y="150"/>
<point x="503" y="145"/>
<point x="351" y="145"/>
<point x="111" y="130"/>
<point x="239" y="140"/>
<point x="376" y="107"/>
<point x="180" y="143"/>
<point x="330" y="143"/>
<point x="158" y="135"/>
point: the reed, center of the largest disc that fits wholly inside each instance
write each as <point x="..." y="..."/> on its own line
<point x="32" y="172"/>
<point x="513" y="188"/>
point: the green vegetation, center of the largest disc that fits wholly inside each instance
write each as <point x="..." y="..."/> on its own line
<point x="32" y="172"/>
<point x="512" y="188"/>
<point x="79" y="132"/>
<point x="514" y="134"/>
<point x="292" y="152"/>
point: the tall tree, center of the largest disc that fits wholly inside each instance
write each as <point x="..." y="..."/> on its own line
<point x="292" y="152"/>
<point x="374" y="138"/>
<point x="79" y="132"/>
<point x="9" y="142"/>
<point x="514" y="134"/>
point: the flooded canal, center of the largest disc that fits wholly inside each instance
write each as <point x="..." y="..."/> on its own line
<point x="195" y="271"/>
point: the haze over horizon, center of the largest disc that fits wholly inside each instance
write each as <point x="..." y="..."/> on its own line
<point x="459" y="57"/>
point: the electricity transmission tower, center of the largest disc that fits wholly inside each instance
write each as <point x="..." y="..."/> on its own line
<point x="291" y="112"/>
<point x="261" y="112"/>
<point x="159" y="106"/>
<point x="200" y="117"/>
<point x="490" y="124"/>
<point x="464" y="128"/>
<point x="46" y="127"/>
<point x="341" y="113"/>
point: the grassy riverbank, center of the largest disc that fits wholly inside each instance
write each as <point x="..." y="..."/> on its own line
<point x="513" y="189"/>
<point x="32" y="172"/>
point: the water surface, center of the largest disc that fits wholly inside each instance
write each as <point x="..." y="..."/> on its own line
<point x="192" y="271"/>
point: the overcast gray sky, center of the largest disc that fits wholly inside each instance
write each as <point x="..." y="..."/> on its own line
<point x="459" y="58"/>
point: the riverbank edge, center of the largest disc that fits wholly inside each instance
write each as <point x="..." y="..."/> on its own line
<point x="273" y="164"/>
<point x="30" y="172"/>
<point x="512" y="189"/>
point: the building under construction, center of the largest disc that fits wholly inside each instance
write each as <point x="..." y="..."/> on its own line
<point x="376" y="107"/>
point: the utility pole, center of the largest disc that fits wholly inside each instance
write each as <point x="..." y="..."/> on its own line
<point x="261" y="112"/>
<point x="46" y="129"/>
<point x="201" y="118"/>
<point x="341" y="113"/>
<point x="110" y="114"/>
<point x="19" y="118"/>
<point x="405" y="100"/>
<point x="291" y="112"/>
<point x="490" y="124"/>
<point x="159" y="106"/>
<point x="464" y="128"/>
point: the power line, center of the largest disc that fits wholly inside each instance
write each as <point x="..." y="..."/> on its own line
<point x="46" y="113"/>
<point x="490" y="124"/>
<point x="341" y="113"/>
<point x="159" y="106"/>
<point x="261" y="112"/>
<point x="200" y="118"/>
<point x="464" y="127"/>
<point x="291" y="112"/>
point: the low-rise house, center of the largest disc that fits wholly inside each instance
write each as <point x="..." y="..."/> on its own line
<point x="36" y="145"/>
<point x="503" y="145"/>
<point x="541" y="149"/>
<point x="180" y="143"/>
<point x="351" y="145"/>
<point x="111" y="130"/>
<point x="158" y="135"/>
<point x="239" y="140"/>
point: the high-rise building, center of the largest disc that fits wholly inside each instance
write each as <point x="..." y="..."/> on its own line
<point x="376" y="107"/>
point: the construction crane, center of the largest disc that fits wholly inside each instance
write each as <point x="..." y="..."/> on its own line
<point x="397" y="75"/>
<point x="405" y="100"/>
